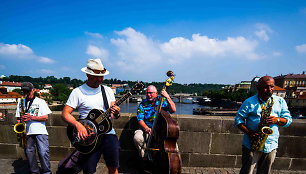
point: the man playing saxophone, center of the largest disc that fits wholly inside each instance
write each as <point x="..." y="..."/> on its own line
<point x="35" y="114"/>
<point x="261" y="110"/>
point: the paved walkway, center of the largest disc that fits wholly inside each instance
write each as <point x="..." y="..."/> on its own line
<point x="12" y="166"/>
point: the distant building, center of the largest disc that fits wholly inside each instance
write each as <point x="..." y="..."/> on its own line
<point x="10" y="86"/>
<point x="120" y="87"/>
<point x="299" y="101"/>
<point x="8" y="97"/>
<point x="244" y="85"/>
<point x="278" y="91"/>
<point x="47" y="86"/>
<point x="254" y="83"/>
<point x="290" y="81"/>
<point x="43" y="93"/>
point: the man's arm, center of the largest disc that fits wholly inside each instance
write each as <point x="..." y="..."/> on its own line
<point x="172" y="107"/>
<point x="245" y="130"/>
<point x="28" y="117"/>
<point x="276" y="120"/>
<point x="67" y="117"/>
<point x="284" y="118"/>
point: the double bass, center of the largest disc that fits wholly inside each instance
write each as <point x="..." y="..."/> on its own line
<point x="161" y="147"/>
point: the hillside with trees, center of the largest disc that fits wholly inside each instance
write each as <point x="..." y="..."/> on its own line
<point x="61" y="91"/>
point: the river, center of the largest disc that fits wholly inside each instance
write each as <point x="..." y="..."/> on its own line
<point x="181" y="108"/>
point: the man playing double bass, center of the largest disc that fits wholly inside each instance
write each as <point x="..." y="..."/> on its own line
<point x="146" y="115"/>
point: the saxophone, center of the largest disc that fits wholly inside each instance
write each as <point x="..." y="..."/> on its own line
<point x="20" y="128"/>
<point x="263" y="130"/>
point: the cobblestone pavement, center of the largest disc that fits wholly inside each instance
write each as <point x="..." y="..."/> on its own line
<point x="12" y="166"/>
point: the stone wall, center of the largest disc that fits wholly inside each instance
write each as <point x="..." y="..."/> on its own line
<point x="205" y="141"/>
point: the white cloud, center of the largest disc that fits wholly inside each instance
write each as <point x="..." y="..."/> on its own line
<point x="276" y="54"/>
<point x="138" y="53"/>
<point x="202" y="46"/>
<point x="94" y="35"/>
<point x="135" y="50"/>
<point x="301" y="48"/>
<point x="262" y="31"/>
<point x="262" y="34"/>
<point x="97" y="52"/>
<point x="45" y="60"/>
<point x="18" y="51"/>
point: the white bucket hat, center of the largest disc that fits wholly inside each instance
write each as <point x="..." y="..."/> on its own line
<point x="95" y="68"/>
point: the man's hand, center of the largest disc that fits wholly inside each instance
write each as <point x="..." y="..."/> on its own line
<point x="164" y="93"/>
<point x="82" y="132"/>
<point x="252" y="135"/>
<point x="271" y="120"/>
<point x="26" y="117"/>
<point x="115" y="110"/>
<point x="148" y="130"/>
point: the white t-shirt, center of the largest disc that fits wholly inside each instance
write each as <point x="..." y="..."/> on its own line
<point x="38" y="108"/>
<point x="85" y="98"/>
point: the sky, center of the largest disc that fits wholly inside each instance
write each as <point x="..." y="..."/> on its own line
<point x="212" y="41"/>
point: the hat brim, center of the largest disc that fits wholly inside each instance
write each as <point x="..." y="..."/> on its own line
<point x="87" y="71"/>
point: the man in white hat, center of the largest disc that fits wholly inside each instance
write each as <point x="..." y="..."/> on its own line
<point x="85" y="98"/>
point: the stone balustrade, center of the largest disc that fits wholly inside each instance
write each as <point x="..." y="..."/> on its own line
<point x="205" y="141"/>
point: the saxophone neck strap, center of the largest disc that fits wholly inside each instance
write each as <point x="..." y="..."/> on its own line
<point x="28" y="104"/>
<point x="268" y="101"/>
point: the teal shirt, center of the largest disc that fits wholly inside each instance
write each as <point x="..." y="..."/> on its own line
<point x="250" y="114"/>
<point x="146" y="111"/>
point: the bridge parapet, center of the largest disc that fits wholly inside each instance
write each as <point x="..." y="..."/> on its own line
<point x="205" y="141"/>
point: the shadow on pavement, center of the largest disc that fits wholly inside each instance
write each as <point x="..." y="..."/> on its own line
<point x="21" y="166"/>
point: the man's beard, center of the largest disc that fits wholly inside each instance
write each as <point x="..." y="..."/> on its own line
<point x="269" y="94"/>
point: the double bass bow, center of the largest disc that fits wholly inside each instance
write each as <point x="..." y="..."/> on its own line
<point x="161" y="147"/>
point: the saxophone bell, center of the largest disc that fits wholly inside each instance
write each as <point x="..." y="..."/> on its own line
<point x="267" y="130"/>
<point x="20" y="128"/>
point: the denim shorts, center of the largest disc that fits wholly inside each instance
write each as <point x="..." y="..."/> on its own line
<point x="109" y="147"/>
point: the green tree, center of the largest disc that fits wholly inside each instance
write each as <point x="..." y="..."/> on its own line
<point x="60" y="92"/>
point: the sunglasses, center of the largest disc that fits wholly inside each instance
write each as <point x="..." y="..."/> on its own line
<point x="97" y="71"/>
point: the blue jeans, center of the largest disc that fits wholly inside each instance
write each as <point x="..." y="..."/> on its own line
<point x="42" y="145"/>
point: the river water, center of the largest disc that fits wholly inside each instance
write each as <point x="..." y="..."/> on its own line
<point x="181" y="108"/>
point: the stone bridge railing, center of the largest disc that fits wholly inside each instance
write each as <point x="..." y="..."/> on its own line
<point x="205" y="141"/>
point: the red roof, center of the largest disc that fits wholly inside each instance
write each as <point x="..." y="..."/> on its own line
<point x="291" y="76"/>
<point x="277" y="88"/>
<point x="10" y="95"/>
<point x="4" y="83"/>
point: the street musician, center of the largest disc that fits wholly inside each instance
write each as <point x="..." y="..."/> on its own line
<point x="263" y="111"/>
<point x="36" y="113"/>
